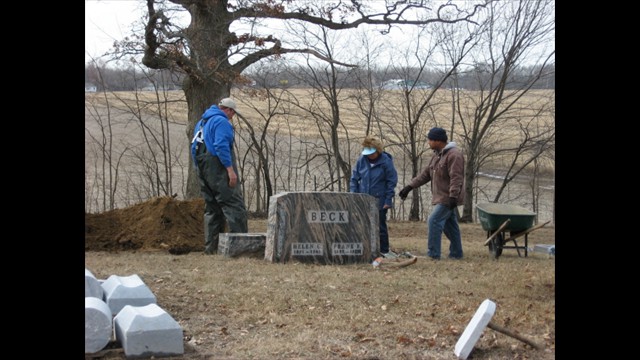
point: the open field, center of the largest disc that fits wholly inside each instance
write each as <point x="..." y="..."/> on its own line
<point x="254" y="105"/>
<point x="294" y="138"/>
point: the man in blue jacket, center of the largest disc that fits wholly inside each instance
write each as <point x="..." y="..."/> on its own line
<point x="215" y="164"/>
<point x="375" y="174"/>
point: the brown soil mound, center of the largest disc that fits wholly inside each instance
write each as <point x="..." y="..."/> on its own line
<point x="159" y="223"/>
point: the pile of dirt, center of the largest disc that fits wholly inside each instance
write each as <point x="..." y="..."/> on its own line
<point x="161" y="223"/>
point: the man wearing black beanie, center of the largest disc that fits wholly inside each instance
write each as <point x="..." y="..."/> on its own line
<point x="446" y="173"/>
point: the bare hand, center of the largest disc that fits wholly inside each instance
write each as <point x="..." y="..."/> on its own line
<point x="233" y="178"/>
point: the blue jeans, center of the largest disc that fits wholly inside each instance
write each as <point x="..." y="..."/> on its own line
<point x="443" y="219"/>
<point x="384" y="232"/>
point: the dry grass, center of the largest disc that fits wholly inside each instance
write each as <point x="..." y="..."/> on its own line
<point x="249" y="308"/>
<point x="389" y="107"/>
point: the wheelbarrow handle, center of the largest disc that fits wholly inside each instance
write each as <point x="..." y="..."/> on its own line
<point x="524" y="232"/>
<point x="504" y="224"/>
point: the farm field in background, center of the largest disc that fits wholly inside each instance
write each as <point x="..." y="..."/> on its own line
<point x="293" y="129"/>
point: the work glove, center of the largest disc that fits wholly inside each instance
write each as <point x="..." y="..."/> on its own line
<point x="404" y="192"/>
<point x="453" y="203"/>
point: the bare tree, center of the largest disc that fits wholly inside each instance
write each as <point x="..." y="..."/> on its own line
<point x="134" y="132"/>
<point x="513" y="31"/>
<point x="367" y="90"/>
<point x="325" y="83"/>
<point x="106" y="158"/>
<point x="416" y="104"/>
<point x="256" y="134"/>
<point x="213" y="57"/>
<point x="154" y="150"/>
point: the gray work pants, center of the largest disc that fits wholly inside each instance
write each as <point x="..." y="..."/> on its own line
<point x="222" y="204"/>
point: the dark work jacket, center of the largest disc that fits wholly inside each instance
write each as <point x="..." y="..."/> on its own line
<point x="446" y="173"/>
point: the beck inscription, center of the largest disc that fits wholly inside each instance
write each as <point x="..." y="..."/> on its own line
<point x="321" y="216"/>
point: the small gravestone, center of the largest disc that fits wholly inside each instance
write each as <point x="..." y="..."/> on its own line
<point x="322" y="227"/>
<point x="236" y="244"/>
<point x="476" y="326"/>
<point x="120" y="291"/>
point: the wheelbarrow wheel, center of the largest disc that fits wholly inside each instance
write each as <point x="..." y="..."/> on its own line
<point x="495" y="245"/>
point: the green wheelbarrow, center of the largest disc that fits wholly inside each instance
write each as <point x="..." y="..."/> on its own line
<point x="498" y="220"/>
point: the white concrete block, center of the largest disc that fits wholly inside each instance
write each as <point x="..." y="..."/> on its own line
<point x="120" y="291"/>
<point x="475" y="328"/>
<point x="545" y="249"/>
<point x="146" y="331"/>
<point x="92" y="286"/>
<point x="98" y="324"/>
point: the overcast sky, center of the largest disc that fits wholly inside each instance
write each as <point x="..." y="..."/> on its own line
<point x="109" y="20"/>
<point x="106" y="21"/>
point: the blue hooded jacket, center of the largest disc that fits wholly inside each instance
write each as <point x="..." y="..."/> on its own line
<point x="217" y="133"/>
<point x="378" y="178"/>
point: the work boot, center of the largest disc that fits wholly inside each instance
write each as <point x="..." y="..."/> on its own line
<point x="211" y="245"/>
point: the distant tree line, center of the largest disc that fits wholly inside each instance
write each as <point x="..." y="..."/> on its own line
<point x="128" y="79"/>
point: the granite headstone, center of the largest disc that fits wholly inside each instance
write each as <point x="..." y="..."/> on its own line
<point x="322" y="227"/>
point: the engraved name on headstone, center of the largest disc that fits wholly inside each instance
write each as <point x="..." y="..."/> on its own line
<point x="327" y="216"/>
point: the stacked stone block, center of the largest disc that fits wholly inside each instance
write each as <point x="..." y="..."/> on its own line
<point x="146" y="331"/>
<point x="92" y="286"/>
<point x="120" y="291"/>
<point x="127" y="312"/>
